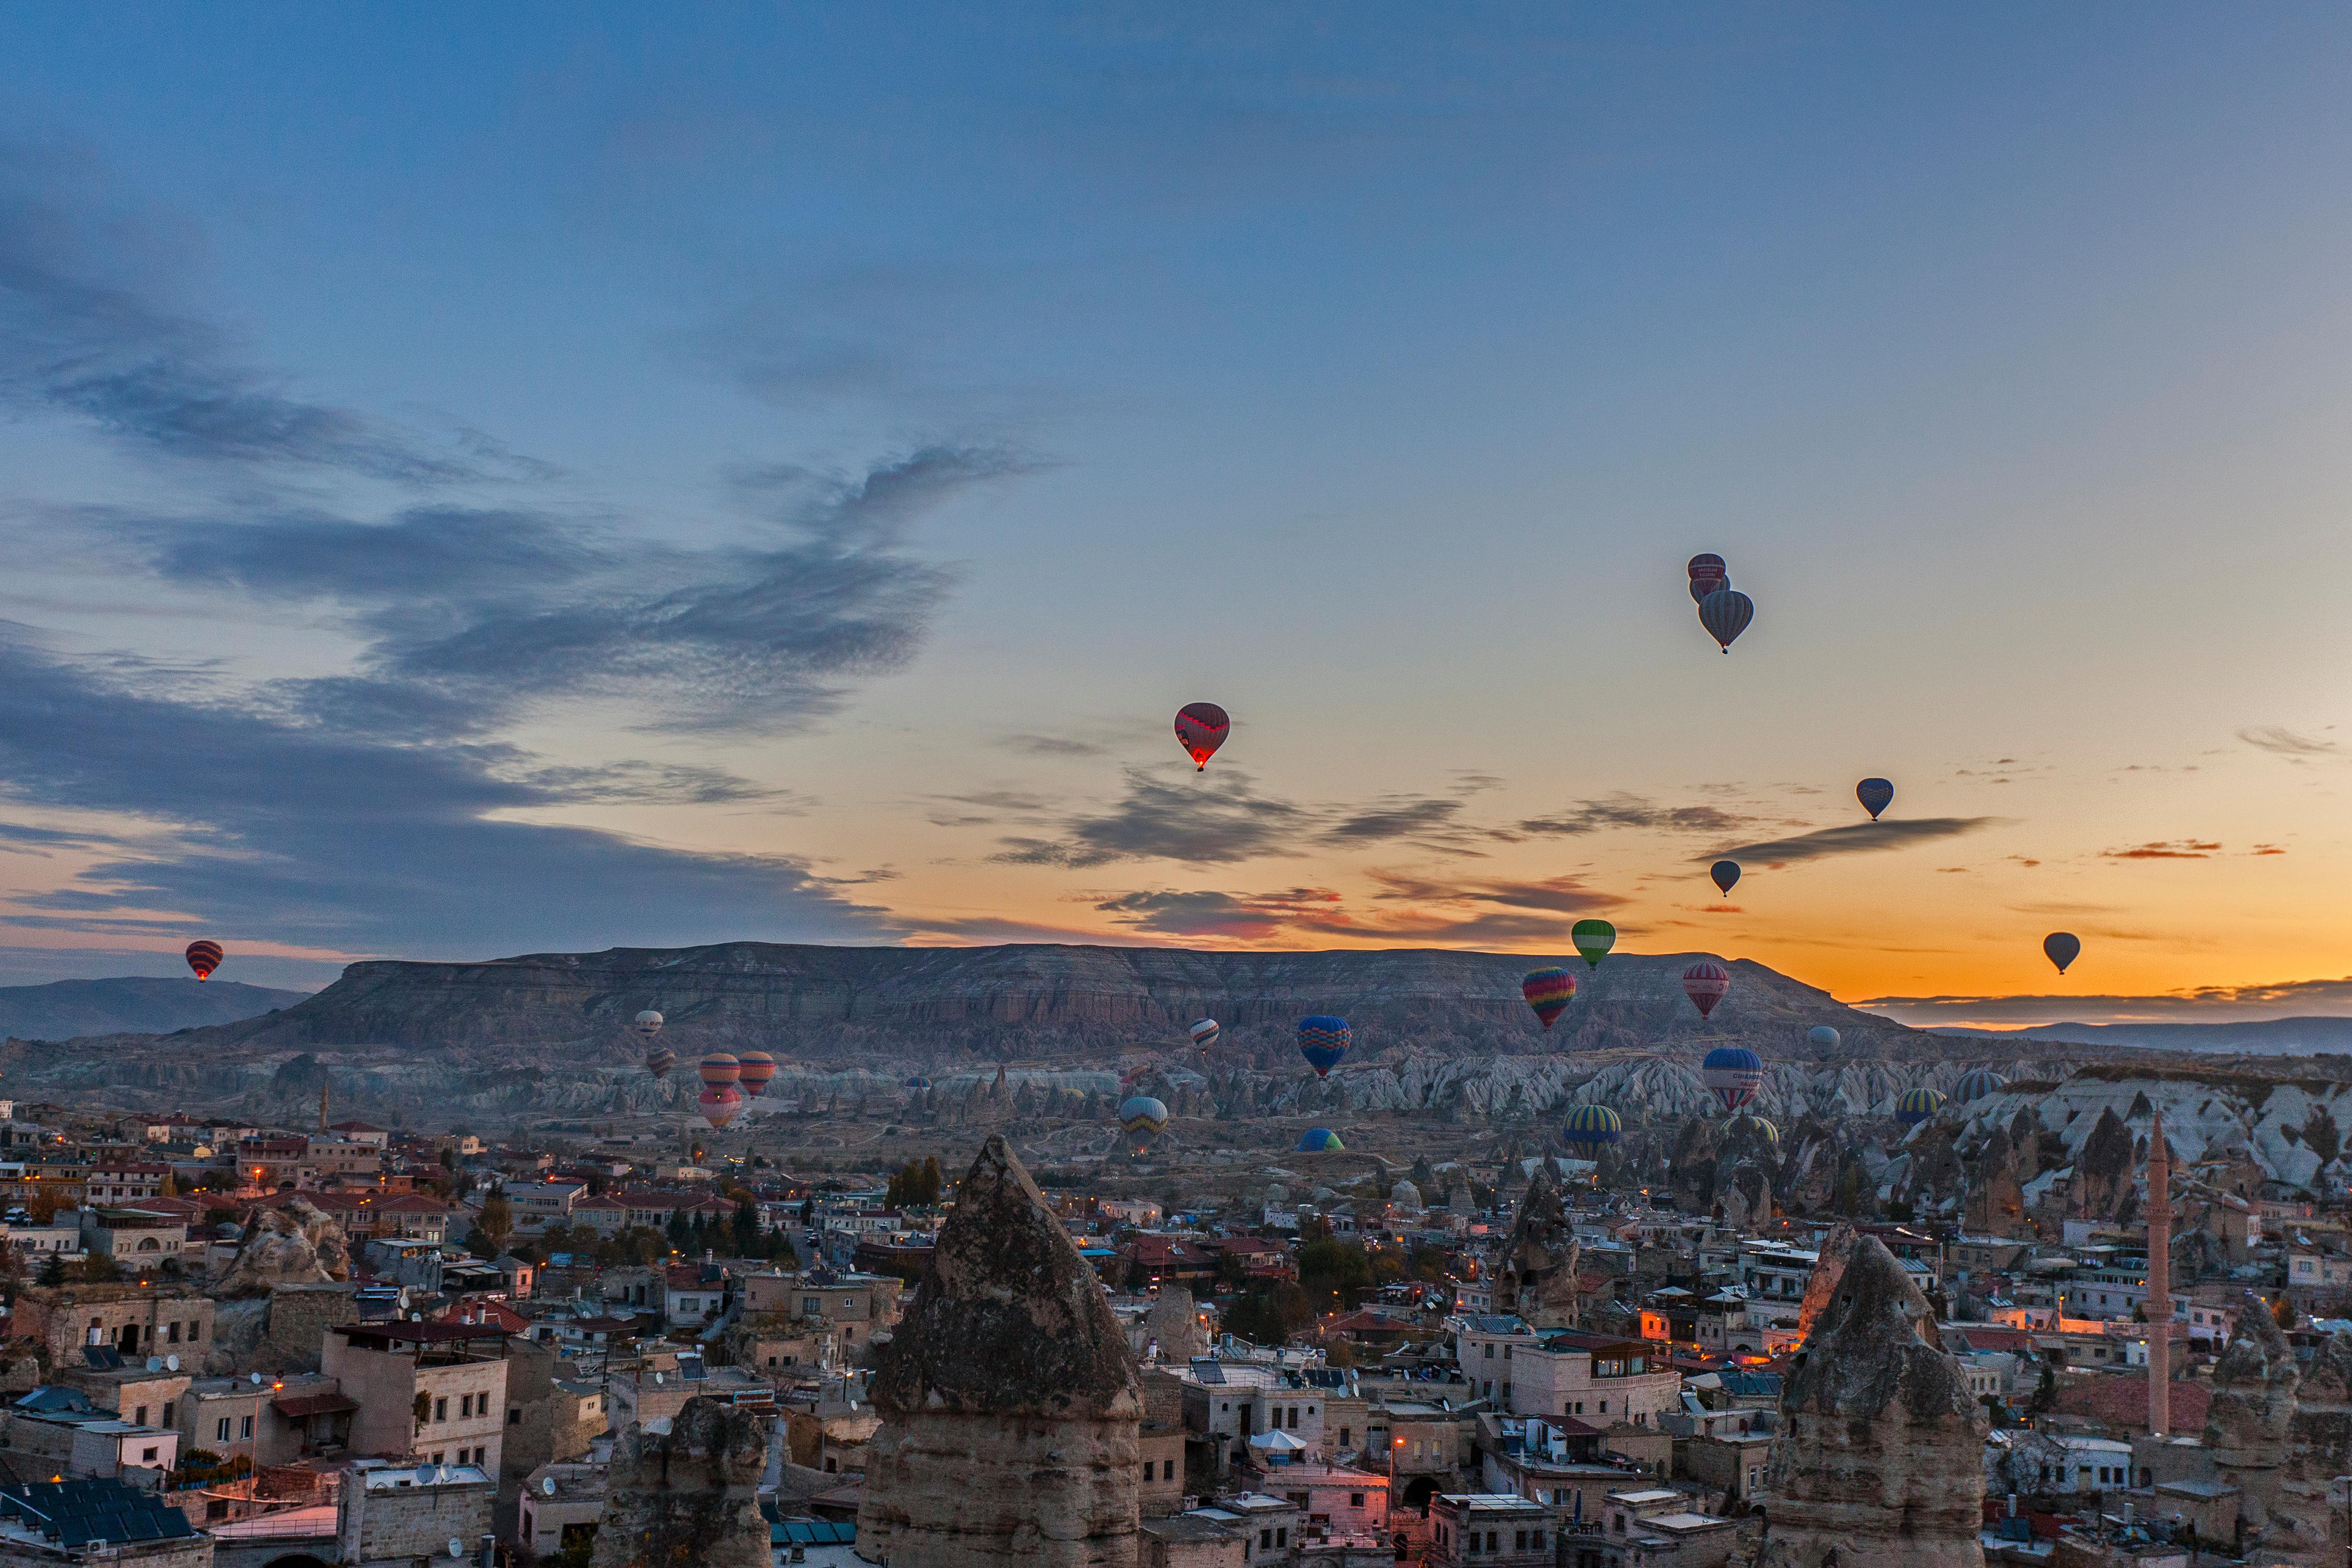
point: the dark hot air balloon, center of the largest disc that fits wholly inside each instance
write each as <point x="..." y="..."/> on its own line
<point x="659" y="1061"/>
<point x="1823" y="1036"/>
<point x="1917" y="1105"/>
<point x="1732" y="1074"/>
<point x="1875" y="795"/>
<point x="1549" y="992"/>
<point x="1323" y="1040"/>
<point x="203" y="957"/>
<point x="1725" y="614"/>
<point x="758" y="1069"/>
<point x="1725" y="872"/>
<point x="1708" y="565"/>
<point x="1594" y="940"/>
<point x="1201" y="729"/>
<point x="2063" y="948"/>
<point x="1706" y="983"/>
<point x="1700" y="587"/>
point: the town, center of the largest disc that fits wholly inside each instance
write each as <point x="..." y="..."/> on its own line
<point x="279" y="1346"/>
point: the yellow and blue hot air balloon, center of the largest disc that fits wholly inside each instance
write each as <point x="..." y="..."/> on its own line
<point x="1593" y="1128"/>
<point x="1323" y="1040"/>
<point x="1753" y="1126"/>
<point x="1914" y="1106"/>
<point x="1142" y="1119"/>
<point x="1549" y="992"/>
<point x="1977" y="1083"/>
<point x="1320" y="1140"/>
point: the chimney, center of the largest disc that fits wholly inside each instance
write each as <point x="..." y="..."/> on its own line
<point x="2160" y="1282"/>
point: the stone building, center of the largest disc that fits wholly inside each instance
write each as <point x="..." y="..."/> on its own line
<point x="135" y="1321"/>
<point x="688" y="1495"/>
<point x="1879" y="1459"/>
<point x="1537" y="1282"/>
<point x="1011" y="1404"/>
<point x="437" y="1391"/>
<point x="397" y="1515"/>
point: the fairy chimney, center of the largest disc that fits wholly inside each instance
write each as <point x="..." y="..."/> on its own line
<point x="687" y="1495"/>
<point x="2247" y="1420"/>
<point x="1538" y="1282"/>
<point x="1009" y="1399"/>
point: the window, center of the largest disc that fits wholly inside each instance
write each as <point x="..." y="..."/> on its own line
<point x="465" y="1406"/>
<point x="1343" y="1437"/>
<point x="138" y="1417"/>
<point x="514" y="1415"/>
<point x="1355" y="1499"/>
<point x="220" y="1434"/>
<point x="1535" y="1539"/>
<point x="1490" y="1352"/>
<point x="244" y="1428"/>
<point x="167" y="1413"/>
<point x="1147" y="1469"/>
<point x="172" y="1336"/>
<point x="1281" y="1535"/>
<point x="440" y="1457"/>
<point x="194" y="1328"/>
<point x="1294" y="1418"/>
<point x="441" y="1409"/>
<point x="1265" y="1541"/>
<point x="1519" y="1540"/>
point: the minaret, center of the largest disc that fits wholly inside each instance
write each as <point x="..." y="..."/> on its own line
<point x="2160" y="1282"/>
<point x="323" y="1081"/>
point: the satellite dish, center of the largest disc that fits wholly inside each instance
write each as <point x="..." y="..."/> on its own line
<point x="171" y="1363"/>
<point x="547" y="1485"/>
<point x="256" y="1377"/>
<point x="155" y="1363"/>
<point x="457" y="1547"/>
<point x="658" y="1377"/>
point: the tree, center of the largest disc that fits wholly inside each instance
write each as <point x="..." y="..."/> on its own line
<point x="53" y="1270"/>
<point x="1333" y="1273"/>
<point x="747" y="1227"/>
<point x="2283" y="1314"/>
<point x="496" y="1220"/>
<point x="2046" y="1392"/>
<point x="679" y="1234"/>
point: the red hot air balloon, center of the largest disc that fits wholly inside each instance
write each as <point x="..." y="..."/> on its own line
<point x="203" y="957"/>
<point x="1708" y="565"/>
<point x="757" y="1067"/>
<point x="1706" y="983"/>
<point x="720" y="1104"/>
<point x="720" y="1070"/>
<point x="1201" y="729"/>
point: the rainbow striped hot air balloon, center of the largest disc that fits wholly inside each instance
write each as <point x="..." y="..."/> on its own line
<point x="1549" y="992"/>
<point x="1204" y="1033"/>
<point x="1594" y="940"/>
<point x="1142" y="1119"/>
<point x="1323" y="1040"/>
<point x="1593" y="1128"/>
<point x="1320" y="1140"/>
<point x="918" y="1082"/>
<point x="1914" y="1106"/>
<point x="1978" y="1083"/>
<point x="203" y="957"/>
<point x="720" y="1104"/>
<point x="757" y="1070"/>
<point x="1732" y="1074"/>
<point x="720" y="1070"/>
<point x="1706" y="983"/>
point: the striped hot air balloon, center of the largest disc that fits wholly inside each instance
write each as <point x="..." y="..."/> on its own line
<point x="1725" y="614"/>
<point x="1201" y="729"/>
<point x="1549" y="992"/>
<point x="1732" y="1074"/>
<point x="1752" y="1127"/>
<point x="1323" y="1040"/>
<point x="1593" y="1128"/>
<point x="1708" y="572"/>
<point x="1204" y="1033"/>
<point x="1914" y="1106"/>
<point x="1875" y="795"/>
<point x="1320" y="1140"/>
<point x="659" y="1061"/>
<point x="1594" y="940"/>
<point x="758" y="1069"/>
<point x="1706" y="983"/>
<point x="720" y="1104"/>
<point x="720" y="1070"/>
<point x="203" y="957"/>
<point x="648" y="1023"/>
<point x="918" y="1082"/>
<point x="1978" y="1083"/>
<point x="1142" y="1119"/>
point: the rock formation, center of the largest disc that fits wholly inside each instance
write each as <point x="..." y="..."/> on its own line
<point x="2308" y="1528"/>
<point x="1821" y="1286"/>
<point x="1174" y="1325"/>
<point x="1537" y="1279"/>
<point x="1879" y="1460"/>
<point x="296" y="1245"/>
<point x="2247" y="1420"/>
<point x="1010" y="1403"/>
<point x="689" y="1495"/>
<point x="2103" y="1168"/>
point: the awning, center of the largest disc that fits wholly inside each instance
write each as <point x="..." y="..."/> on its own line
<point x="1278" y="1443"/>
<point x="302" y="1407"/>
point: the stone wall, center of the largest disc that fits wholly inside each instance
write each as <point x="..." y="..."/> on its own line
<point x="401" y="1524"/>
<point x="688" y="1496"/>
<point x="300" y="1317"/>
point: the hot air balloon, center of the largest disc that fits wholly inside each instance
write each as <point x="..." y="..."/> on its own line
<point x="1323" y="1040"/>
<point x="1732" y="1074"/>
<point x="1549" y="992"/>
<point x="1709" y="567"/>
<point x="2064" y="947"/>
<point x="758" y="1069"/>
<point x="1875" y="795"/>
<point x="203" y="957"/>
<point x="918" y="1082"/>
<point x="1320" y="1140"/>
<point x="648" y="1023"/>
<point x="1593" y="939"/>
<point x="720" y="1104"/>
<point x="1700" y="587"/>
<point x="1142" y="1119"/>
<point x="1978" y="1083"/>
<point x="1705" y="982"/>
<point x="1204" y="1033"/>
<point x="1725" y="614"/>
<point x="1593" y="1128"/>
<point x="1752" y="1127"/>
<point x="720" y="1070"/>
<point x="1725" y="872"/>
<point x="1914" y="1106"/>
<point x="1822" y="1036"/>
<point x="659" y="1061"/>
<point x="1201" y="729"/>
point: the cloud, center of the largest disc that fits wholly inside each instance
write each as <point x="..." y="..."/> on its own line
<point x="1192" y="819"/>
<point x="85" y="335"/>
<point x="1854" y="839"/>
<point x="2285" y="743"/>
<point x="1433" y="822"/>
<point x="1050" y="746"/>
<point x="2198" y="1005"/>
<point x="1193" y="914"/>
<point x="1627" y="810"/>
<point x="2163" y="849"/>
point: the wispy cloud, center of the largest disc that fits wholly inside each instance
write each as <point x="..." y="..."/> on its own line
<point x="1185" y="817"/>
<point x="1433" y="914"/>
<point x="2164" y="850"/>
<point x="1623" y="810"/>
<point x="2285" y="743"/>
<point x="1854" y="838"/>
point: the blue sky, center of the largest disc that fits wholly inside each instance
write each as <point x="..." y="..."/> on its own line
<point x="580" y="476"/>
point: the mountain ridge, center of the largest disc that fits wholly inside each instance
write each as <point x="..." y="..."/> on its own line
<point x="68" y="1009"/>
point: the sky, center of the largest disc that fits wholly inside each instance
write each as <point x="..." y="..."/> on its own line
<point x="577" y="475"/>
